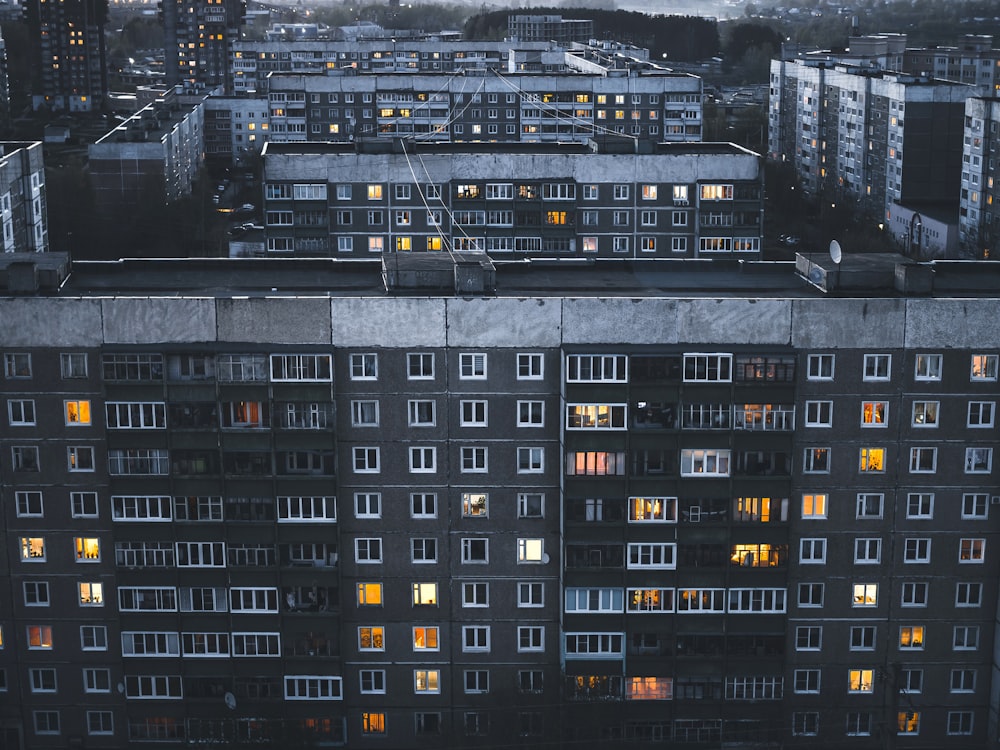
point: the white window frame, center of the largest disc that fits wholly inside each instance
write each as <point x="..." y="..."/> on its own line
<point x="983" y="368"/>
<point x="812" y="551"/>
<point x="364" y="366"/>
<point x="928" y="367"/>
<point x="867" y="550"/>
<point x="472" y="366"/>
<point x="474" y="412"/>
<point x="981" y="414"/>
<point x="365" y="413"/>
<point x="530" y="413"/>
<point x="819" y="364"/>
<point x="423" y="459"/>
<point x="877" y="367"/>
<point x="417" y="362"/>
<point x="367" y="459"/>
<point x="530" y="366"/>
<point x="978" y="460"/>
<point x="531" y="460"/>
<point x="917" y="551"/>
<point x="926" y="414"/>
<point x="819" y="414"/>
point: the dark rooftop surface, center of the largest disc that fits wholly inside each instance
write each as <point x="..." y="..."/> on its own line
<point x="227" y="277"/>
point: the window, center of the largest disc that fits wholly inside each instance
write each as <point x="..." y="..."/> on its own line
<point x="978" y="460"/>
<point x="372" y="681"/>
<point x="805" y="723"/>
<point x="423" y="505"/>
<point x="808" y="637"/>
<point x="426" y="681"/>
<point x="475" y="550"/>
<point x="927" y="367"/>
<point x="475" y="595"/>
<point x="100" y="722"/>
<point x="80" y="458"/>
<point x="814" y="506"/>
<point x="364" y="413"/>
<point x="708" y="368"/>
<point x="877" y="366"/>
<point x="88" y="549"/>
<point x="73" y="365"/>
<point x="474" y="413"/>
<point x="859" y="724"/>
<point x="425" y="639"/>
<point x="530" y="460"/>
<point x="366" y="460"/>
<point x="423" y="460"/>
<point x="860" y="680"/>
<point x="36" y="594"/>
<point x="96" y="680"/>
<point x="475" y="504"/>
<point x="960" y="722"/>
<point x="806" y="680"/>
<point x="908" y="722"/>
<point x="46" y="722"/>
<point x="968" y="594"/>
<point x="475" y="638"/>
<point x="29" y="504"/>
<point x="472" y="366"/>
<point x="530" y="505"/>
<point x="150" y="644"/>
<point x="914" y="594"/>
<point x="867" y="551"/>
<point x="810" y="594"/>
<point x="374" y="192"/>
<point x="975" y="506"/>
<point x="923" y="460"/>
<point x="865" y="595"/>
<point x="816" y="461"/>
<point x="364" y="366"/>
<point x="872" y="460"/>
<point x="530" y="594"/>
<point x="863" y="637"/>
<point x="371" y="638"/>
<point x="423" y="550"/>
<point x="420" y="366"/>
<point x="654" y="555"/>
<point x="911" y="637"/>
<point x="819" y="413"/>
<point x="33" y="549"/>
<point x="965" y="637"/>
<point x="529" y="366"/>
<point x="312" y="688"/>
<point x="820" y="366"/>
<point x="39" y="637"/>
<point x="24" y="458"/>
<point x="369" y="594"/>
<point x="874" y="413"/>
<point x="984" y="367"/>
<point x="920" y="505"/>
<point x="301" y="368"/>
<point x="530" y="638"/>
<point x="21" y="412"/>
<point x="925" y="413"/>
<point x="981" y="414"/>
<point x="705" y="463"/>
<point x="91" y="594"/>
<point x="17" y="365"/>
<point x="372" y="723"/>
<point x="812" y="551"/>
<point x="477" y="681"/>
<point x="368" y="550"/>
<point x="425" y="594"/>
<point x="531" y="551"/>
<point x="869" y="506"/>
<point x="367" y="505"/>
<point x="136" y="415"/>
<point x="530" y="413"/>
<point x="917" y="551"/>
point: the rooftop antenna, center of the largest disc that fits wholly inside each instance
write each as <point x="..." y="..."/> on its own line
<point x="836" y="254"/>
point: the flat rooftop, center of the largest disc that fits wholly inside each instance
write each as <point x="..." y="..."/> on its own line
<point x="292" y="277"/>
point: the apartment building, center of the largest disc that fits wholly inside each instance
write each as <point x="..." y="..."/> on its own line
<point x="23" y="200"/>
<point x="252" y="61"/>
<point x="153" y="156"/>
<point x="978" y="216"/>
<point x="549" y="27"/>
<point x="973" y="61"/>
<point x="631" y="512"/>
<point x="648" y="106"/>
<point x="680" y="200"/>
<point x="875" y="137"/>
<point x="69" y="69"/>
<point x="198" y="35"/>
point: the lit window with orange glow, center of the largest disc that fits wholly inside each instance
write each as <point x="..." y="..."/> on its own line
<point x="77" y="412"/>
<point x="88" y="549"/>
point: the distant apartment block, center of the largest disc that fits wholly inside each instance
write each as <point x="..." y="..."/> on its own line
<point x="235" y="127"/>
<point x="544" y="28"/>
<point x="198" y="35"/>
<point x="678" y="201"/>
<point x="153" y="156"/>
<point x="532" y="108"/>
<point x="877" y="137"/>
<point x="979" y="202"/>
<point x="253" y="61"/>
<point x="22" y="198"/>
<point x="69" y="70"/>
<point x="973" y="60"/>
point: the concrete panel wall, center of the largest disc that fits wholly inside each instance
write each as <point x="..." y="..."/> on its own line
<point x="953" y="323"/>
<point x="279" y="319"/>
<point x="41" y="321"/>
<point x="504" y="322"/>
<point x="360" y="321"/>
<point x="875" y="324"/>
<point x="138" y="321"/>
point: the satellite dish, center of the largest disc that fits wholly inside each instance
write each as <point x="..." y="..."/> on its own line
<point x="545" y="557"/>
<point x="120" y="687"/>
<point x="230" y="700"/>
<point x="836" y="254"/>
